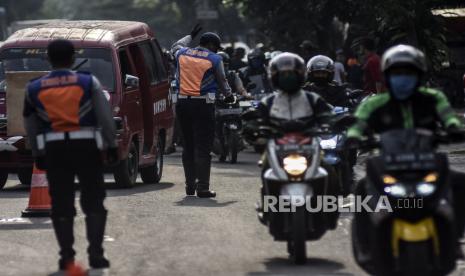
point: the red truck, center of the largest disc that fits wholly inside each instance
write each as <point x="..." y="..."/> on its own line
<point x="128" y="61"/>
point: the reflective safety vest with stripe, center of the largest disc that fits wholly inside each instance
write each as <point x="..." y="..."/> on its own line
<point x="196" y="75"/>
<point x="63" y="100"/>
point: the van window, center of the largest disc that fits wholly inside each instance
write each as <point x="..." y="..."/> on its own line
<point x="150" y="62"/>
<point x="125" y="65"/>
<point x="161" y="69"/>
<point x="99" y="62"/>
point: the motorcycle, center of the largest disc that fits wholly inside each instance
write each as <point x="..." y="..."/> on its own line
<point x="228" y="139"/>
<point x="293" y="169"/>
<point x="417" y="236"/>
<point x="338" y="157"/>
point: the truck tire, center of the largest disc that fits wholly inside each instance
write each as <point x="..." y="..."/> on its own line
<point x="3" y="179"/>
<point x="127" y="170"/>
<point x="25" y="176"/>
<point x="154" y="173"/>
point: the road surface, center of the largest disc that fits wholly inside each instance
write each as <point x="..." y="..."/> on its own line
<point x="155" y="230"/>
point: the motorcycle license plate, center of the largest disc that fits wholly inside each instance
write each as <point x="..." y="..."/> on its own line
<point x="230" y="111"/>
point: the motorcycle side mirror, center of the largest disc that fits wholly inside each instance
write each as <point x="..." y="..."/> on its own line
<point x="131" y="81"/>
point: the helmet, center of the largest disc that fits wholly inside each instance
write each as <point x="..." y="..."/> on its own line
<point x="404" y="56"/>
<point x="320" y="69"/>
<point x="225" y="57"/>
<point x="256" y="58"/>
<point x="411" y="65"/>
<point x="287" y="72"/>
<point x="275" y="53"/>
<point x="211" y="38"/>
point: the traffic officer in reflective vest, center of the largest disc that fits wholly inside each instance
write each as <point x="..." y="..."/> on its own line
<point x="69" y="121"/>
<point x="200" y="75"/>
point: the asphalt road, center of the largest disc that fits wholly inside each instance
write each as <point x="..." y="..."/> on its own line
<point x="156" y="230"/>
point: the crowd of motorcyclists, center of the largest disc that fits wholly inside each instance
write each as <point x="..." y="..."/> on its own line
<point x="293" y="100"/>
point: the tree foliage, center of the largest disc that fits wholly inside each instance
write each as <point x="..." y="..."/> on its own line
<point x="287" y="23"/>
<point x="171" y="19"/>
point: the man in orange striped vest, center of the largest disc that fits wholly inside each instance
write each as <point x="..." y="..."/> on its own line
<point x="199" y="77"/>
<point x="69" y="121"/>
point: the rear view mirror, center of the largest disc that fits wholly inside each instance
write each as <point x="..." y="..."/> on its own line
<point x="131" y="81"/>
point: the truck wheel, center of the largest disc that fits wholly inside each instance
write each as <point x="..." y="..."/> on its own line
<point x="3" y="179"/>
<point x="25" y="176"/>
<point x="154" y="173"/>
<point x="127" y="170"/>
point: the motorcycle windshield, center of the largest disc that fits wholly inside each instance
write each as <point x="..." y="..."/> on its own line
<point x="407" y="141"/>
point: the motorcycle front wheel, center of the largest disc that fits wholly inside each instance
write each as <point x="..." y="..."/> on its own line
<point x="296" y="243"/>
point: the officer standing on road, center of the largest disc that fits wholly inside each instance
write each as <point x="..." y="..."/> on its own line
<point x="69" y="121"/>
<point x="200" y="75"/>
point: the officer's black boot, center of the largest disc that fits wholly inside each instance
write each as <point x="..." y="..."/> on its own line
<point x="189" y="172"/>
<point x="190" y="189"/>
<point x="63" y="227"/>
<point x="203" y="174"/>
<point x="95" y="225"/>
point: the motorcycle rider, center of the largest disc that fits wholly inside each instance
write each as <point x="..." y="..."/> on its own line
<point x="237" y="89"/>
<point x="291" y="102"/>
<point x="320" y="72"/>
<point x="235" y="82"/>
<point x="255" y="73"/>
<point x="408" y="104"/>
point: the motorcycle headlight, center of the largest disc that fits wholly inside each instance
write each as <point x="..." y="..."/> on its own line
<point x="396" y="190"/>
<point x="425" y="189"/>
<point x="431" y="178"/>
<point x="328" y="144"/>
<point x="295" y="164"/>
<point x="389" y="180"/>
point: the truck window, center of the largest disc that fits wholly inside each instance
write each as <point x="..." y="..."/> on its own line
<point x="125" y="65"/>
<point x="161" y="69"/>
<point x="150" y="63"/>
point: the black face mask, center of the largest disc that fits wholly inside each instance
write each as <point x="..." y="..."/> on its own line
<point x="289" y="82"/>
<point x="256" y="64"/>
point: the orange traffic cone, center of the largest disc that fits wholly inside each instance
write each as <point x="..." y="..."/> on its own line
<point x="39" y="199"/>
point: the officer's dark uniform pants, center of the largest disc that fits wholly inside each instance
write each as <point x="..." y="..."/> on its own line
<point x="197" y="121"/>
<point x="65" y="160"/>
<point x="70" y="158"/>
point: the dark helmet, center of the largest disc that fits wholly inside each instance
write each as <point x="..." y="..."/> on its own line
<point x="411" y="66"/>
<point x="211" y="38"/>
<point x="225" y="57"/>
<point x="404" y="56"/>
<point x="320" y="69"/>
<point x="256" y="58"/>
<point x="287" y="72"/>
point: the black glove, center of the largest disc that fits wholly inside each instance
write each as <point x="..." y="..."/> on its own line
<point x="40" y="163"/>
<point x="112" y="157"/>
<point x="230" y="98"/>
<point x="196" y="30"/>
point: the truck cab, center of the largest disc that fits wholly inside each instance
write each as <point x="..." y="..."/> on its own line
<point x="127" y="59"/>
